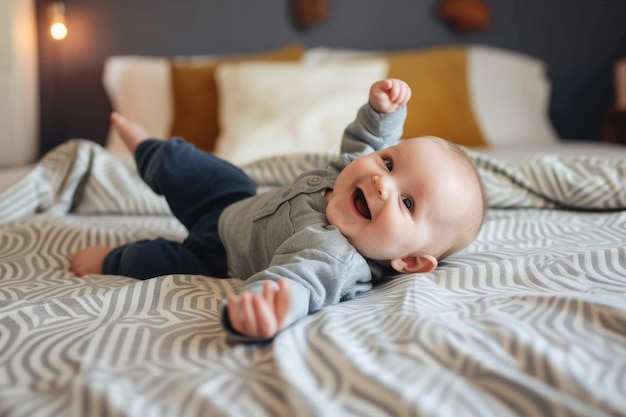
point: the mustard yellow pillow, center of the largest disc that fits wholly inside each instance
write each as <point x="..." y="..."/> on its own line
<point x="195" y="96"/>
<point x="440" y="104"/>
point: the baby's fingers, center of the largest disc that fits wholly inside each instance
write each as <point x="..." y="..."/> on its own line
<point x="234" y="313"/>
<point x="400" y="93"/>
<point x="270" y="288"/>
<point x="386" y="84"/>
<point x="405" y="94"/>
<point x="267" y="325"/>
<point x="394" y="89"/>
<point x="282" y="304"/>
<point x="242" y="314"/>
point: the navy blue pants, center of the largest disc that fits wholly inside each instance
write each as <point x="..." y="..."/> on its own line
<point x="198" y="186"/>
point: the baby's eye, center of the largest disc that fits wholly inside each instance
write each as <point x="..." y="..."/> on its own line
<point x="407" y="202"/>
<point x="388" y="163"/>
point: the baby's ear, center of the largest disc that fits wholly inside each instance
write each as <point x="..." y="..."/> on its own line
<point x="414" y="263"/>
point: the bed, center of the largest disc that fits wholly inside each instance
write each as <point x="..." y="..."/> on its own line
<point x="529" y="320"/>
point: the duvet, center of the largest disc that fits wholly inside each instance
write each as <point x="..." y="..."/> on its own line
<point x="529" y="320"/>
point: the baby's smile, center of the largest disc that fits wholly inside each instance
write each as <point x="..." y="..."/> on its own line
<point x="360" y="203"/>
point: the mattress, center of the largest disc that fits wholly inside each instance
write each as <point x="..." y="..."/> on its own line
<point x="529" y="320"/>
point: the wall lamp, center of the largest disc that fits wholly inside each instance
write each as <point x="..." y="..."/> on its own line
<point x="56" y="13"/>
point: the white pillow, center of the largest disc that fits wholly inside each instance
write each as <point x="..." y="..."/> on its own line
<point x="510" y="95"/>
<point x="269" y="109"/>
<point x="327" y="55"/>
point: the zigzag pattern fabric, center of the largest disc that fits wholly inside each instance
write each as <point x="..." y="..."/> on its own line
<point x="529" y="320"/>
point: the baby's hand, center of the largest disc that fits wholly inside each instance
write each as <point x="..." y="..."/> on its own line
<point x="260" y="315"/>
<point x="387" y="95"/>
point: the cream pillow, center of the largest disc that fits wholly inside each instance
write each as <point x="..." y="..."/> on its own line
<point x="510" y="95"/>
<point x="269" y="109"/>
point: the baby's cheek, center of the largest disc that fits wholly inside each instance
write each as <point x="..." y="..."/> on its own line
<point x="393" y="234"/>
<point x="389" y="225"/>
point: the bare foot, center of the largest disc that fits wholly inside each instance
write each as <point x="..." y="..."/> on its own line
<point x="89" y="260"/>
<point x="131" y="133"/>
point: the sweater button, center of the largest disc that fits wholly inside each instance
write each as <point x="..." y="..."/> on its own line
<point x="314" y="180"/>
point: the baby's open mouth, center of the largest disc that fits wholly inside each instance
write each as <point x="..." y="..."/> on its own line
<point x="361" y="204"/>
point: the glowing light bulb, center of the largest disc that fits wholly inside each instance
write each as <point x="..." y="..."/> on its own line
<point x="58" y="31"/>
<point x="56" y="11"/>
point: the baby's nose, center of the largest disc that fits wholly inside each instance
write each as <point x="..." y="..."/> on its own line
<point x="381" y="187"/>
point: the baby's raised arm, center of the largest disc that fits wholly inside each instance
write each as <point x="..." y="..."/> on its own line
<point x="387" y="95"/>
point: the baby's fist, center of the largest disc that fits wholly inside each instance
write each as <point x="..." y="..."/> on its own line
<point x="388" y="95"/>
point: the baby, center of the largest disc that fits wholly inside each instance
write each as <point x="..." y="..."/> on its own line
<point x="384" y="206"/>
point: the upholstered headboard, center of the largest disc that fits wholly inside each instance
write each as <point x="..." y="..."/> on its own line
<point x="296" y="99"/>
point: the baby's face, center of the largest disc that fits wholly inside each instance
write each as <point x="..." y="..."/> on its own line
<point x="400" y="201"/>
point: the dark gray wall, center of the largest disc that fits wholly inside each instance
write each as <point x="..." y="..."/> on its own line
<point x="579" y="39"/>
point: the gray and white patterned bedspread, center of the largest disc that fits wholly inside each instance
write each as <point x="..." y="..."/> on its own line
<point x="530" y="320"/>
